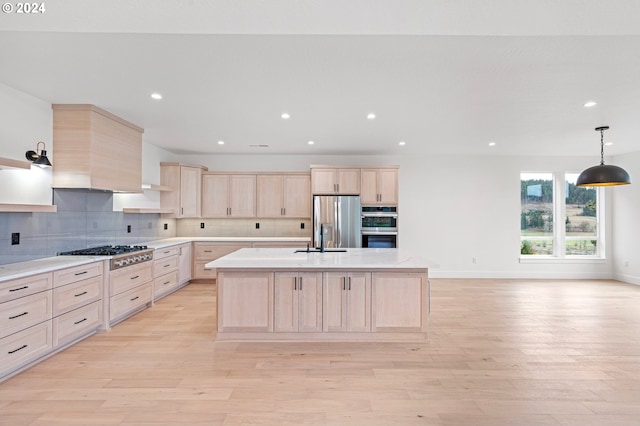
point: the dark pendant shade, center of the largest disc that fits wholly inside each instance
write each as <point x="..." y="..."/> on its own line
<point x="603" y="175"/>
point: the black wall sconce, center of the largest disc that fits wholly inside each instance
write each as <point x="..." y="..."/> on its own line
<point x="39" y="159"/>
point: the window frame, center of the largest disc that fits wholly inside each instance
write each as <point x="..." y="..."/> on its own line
<point x="559" y="238"/>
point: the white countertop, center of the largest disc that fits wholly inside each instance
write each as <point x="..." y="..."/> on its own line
<point x="370" y="259"/>
<point x="32" y="267"/>
<point x="16" y="270"/>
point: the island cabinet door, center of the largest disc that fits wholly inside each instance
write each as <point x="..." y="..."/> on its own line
<point x="346" y="302"/>
<point x="399" y="302"/>
<point x="245" y="301"/>
<point x="298" y="302"/>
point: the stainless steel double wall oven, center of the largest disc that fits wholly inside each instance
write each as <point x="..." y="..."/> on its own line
<point x="379" y="226"/>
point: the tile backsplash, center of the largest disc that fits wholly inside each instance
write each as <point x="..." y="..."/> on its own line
<point x="85" y="218"/>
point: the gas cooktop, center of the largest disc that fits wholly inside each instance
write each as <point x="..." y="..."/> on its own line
<point x="103" y="251"/>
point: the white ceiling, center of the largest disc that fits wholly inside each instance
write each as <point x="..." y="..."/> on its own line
<point x="444" y="76"/>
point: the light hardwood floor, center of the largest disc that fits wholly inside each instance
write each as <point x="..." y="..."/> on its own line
<point x="500" y="353"/>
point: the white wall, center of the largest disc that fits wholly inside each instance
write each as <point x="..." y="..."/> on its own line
<point x="25" y="121"/>
<point x="626" y="221"/>
<point x="452" y="209"/>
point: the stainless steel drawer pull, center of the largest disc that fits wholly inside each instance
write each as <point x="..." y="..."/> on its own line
<point x="295" y="283"/>
<point x="81" y="273"/>
<point x="167" y="265"/>
<point x="300" y="283"/>
<point x="80" y="294"/>
<point x="82" y="320"/>
<point x="344" y="283"/>
<point x="137" y="297"/>
<point x="349" y="283"/>
<point x="207" y="251"/>
<point x="19" y="315"/>
<point x="16" y="350"/>
<point x="19" y="288"/>
<point x="166" y="282"/>
<point x="168" y="251"/>
<point x="133" y="278"/>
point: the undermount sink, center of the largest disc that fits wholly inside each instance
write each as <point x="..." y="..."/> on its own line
<point x="317" y="250"/>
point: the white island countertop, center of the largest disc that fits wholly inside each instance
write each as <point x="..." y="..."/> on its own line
<point x="285" y="259"/>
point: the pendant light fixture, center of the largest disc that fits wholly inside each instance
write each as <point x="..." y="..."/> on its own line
<point x="41" y="158"/>
<point x="603" y="175"/>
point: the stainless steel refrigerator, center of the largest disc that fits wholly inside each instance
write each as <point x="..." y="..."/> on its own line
<point x="340" y="216"/>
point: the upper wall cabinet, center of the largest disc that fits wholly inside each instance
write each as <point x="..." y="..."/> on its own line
<point x="379" y="186"/>
<point x="332" y="180"/>
<point x="185" y="183"/>
<point x="228" y="195"/>
<point x="95" y="149"/>
<point x="287" y="195"/>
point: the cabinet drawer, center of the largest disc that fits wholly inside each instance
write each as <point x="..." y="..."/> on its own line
<point x="166" y="252"/>
<point x="78" y="273"/>
<point x="162" y="266"/>
<point x="19" y="314"/>
<point x="14" y="289"/>
<point x="78" y="294"/>
<point x="74" y="324"/>
<point x="199" y="272"/>
<point x="129" y="301"/>
<point x="25" y="346"/>
<point x="165" y="283"/>
<point x="210" y="251"/>
<point x="132" y="276"/>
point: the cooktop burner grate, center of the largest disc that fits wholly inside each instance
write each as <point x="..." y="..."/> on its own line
<point x="103" y="251"/>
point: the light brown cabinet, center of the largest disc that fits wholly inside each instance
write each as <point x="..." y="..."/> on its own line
<point x="245" y="304"/>
<point x="400" y="302"/>
<point x="95" y="149"/>
<point x="184" y="263"/>
<point x="335" y="181"/>
<point x="379" y="186"/>
<point x="43" y="313"/>
<point x="165" y="271"/>
<point x="205" y="252"/>
<point x="347" y="302"/>
<point x="228" y="195"/>
<point x="287" y="195"/>
<point x="185" y="182"/>
<point x="298" y="302"/>
<point x="130" y="290"/>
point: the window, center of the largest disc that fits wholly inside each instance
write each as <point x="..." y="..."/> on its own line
<point x="546" y="197"/>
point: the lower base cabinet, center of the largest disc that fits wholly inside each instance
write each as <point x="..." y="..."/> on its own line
<point x="43" y="313"/>
<point x="289" y="305"/>
<point x="297" y="301"/>
<point x="245" y="303"/>
<point x="347" y="301"/>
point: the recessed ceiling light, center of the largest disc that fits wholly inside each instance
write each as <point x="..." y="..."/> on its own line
<point x="156" y="96"/>
<point x="608" y="143"/>
<point x="402" y="143"/>
<point x="310" y="142"/>
<point x="371" y="116"/>
<point x="220" y="142"/>
<point x="285" y="116"/>
<point x="589" y="104"/>
<point x="492" y="144"/>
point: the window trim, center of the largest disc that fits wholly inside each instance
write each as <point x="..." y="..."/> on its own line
<point x="559" y="237"/>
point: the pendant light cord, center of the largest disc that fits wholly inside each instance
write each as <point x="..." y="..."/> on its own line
<point x="602" y="147"/>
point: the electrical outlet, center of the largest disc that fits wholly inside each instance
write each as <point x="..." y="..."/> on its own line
<point x="201" y="225"/>
<point x="128" y="229"/>
<point x="474" y="260"/>
<point x="15" y="238"/>
<point x="257" y="225"/>
<point x="166" y="226"/>
<point x="149" y="225"/>
<point x="301" y="225"/>
<point x="626" y="263"/>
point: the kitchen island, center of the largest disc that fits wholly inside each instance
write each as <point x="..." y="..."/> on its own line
<point x="363" y="294"/>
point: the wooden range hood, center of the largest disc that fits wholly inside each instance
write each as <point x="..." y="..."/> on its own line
<point x="94" y="149"/>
